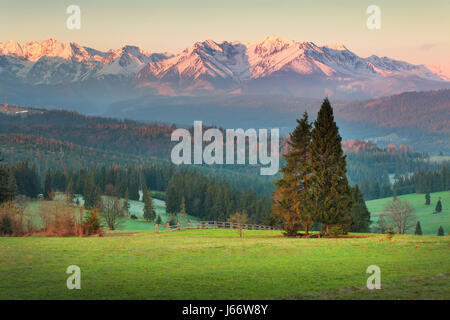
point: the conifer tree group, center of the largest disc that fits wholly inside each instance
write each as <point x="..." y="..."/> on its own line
<point x="314" y="186"/>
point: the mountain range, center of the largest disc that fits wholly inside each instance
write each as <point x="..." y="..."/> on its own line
<point x="54" y="74"/>
<point x="267" y="83"/>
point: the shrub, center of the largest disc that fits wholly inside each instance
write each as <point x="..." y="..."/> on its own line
<point x="58" y="219"/>
<point x="92" y="225"/>
<point x="5" y="226"/>
<point x="336" y="230"/>
<point x="133" y="216"/>
<point x="390" y="232"/>
<point x="440" y="231"/>
<point x="11" y="219"/>
<point x="172" y="219"/>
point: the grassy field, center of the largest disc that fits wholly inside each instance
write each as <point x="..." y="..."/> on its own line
<point x="217" y="264"/>
<point x="430" y="222"/>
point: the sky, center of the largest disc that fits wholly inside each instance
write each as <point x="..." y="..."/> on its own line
<point x="414" y="31"/>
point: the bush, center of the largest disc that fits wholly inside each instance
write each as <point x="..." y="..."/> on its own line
<point x="60" y="220"/>
<point x="92" y="225"/>
<point x="134" y="217"/>
<point x="11" y="219"/>
<point x="390" y="232"/>
<point x="172" y="219"/>
<point x="5" y="226"/>
<point x="440" y="231"/>
<point x="336" y="230"/>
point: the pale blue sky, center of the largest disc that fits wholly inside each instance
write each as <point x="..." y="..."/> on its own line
<point x="416" y="31"/>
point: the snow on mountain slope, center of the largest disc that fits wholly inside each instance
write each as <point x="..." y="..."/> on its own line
<point x="53" y="62"/>
<point x="127" y="61"/>
<point x="242" y="61"/>
<point x="270" y="65"/>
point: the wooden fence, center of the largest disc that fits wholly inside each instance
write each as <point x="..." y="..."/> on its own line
<point x="191" y="225"/>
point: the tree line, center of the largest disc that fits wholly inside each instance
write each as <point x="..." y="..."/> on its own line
<point x="204" y="196"/>
<point x="424" y="181"/>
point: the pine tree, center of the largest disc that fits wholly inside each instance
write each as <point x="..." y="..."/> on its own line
<point x="359" y="214"/>
<point x="427" y="199"/>
<point x="91" y="193"/>
<point x="173" y="197"/>
<point x="418" y="229"/>
<point x="329" y="195"/>
<point x="290" y="189"/>
<point x="48" y="185"/>
<point x="69" y="192"/>
<point x="4" y="192"/>
<point x="438" y="206"/>
<point x="12" y="184"/>
<point x="133" y="187"/>
<point x="183" y="213"/>
<point x="126" y="203"/>
<point x="149" y="211"/>
<point x="440" y="231"/>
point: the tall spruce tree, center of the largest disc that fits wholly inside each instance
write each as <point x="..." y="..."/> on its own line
<point x="4" y="192"/>
<point x="359" y="214"/>
<point x="12" y="184"/>
<point x="427" y="199"/>
<point x="149" y="211"/>
<point x="290" y="188"/>
<point x="438" y="206"/>
<point x="329" y="196"/>
<point x="418" y="229"/>
<point x="48" y="185"/>
<point x="70" y="195"/>
<point x="126" y="203"/>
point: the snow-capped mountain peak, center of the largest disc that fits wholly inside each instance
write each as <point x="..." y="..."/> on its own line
<point x="273" y="63"/>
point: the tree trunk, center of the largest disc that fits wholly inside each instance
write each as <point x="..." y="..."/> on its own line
<point x="327" y="229"/>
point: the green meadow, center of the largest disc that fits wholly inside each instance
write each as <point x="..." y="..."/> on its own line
<point x="217" y="264"/>
<point x="135" y="262"/>
<point x="429" y="221"/>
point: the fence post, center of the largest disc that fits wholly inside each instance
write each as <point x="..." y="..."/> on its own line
<point x="156" y="228"/>
<point x="167" y="227"/>
<point x="215" y="224"/>
<point x="178" y="226"/>
<point x="189" y="224"/>
<point x="198" y="224"/>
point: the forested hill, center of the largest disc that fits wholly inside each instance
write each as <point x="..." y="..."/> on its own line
<point x="115" y="135"/>
<point x="55" y="154"/>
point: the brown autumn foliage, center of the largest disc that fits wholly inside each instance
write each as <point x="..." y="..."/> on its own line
<point x="57" y="219"/>
<point x="239" y="219"/>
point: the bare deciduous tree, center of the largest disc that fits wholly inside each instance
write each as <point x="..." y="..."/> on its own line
<point x="240" y="219"/>
<point x="400" y="215"/>
<point x="112" y="211"/>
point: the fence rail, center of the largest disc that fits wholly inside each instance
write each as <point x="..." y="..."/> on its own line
<point x="191" y="225"/>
